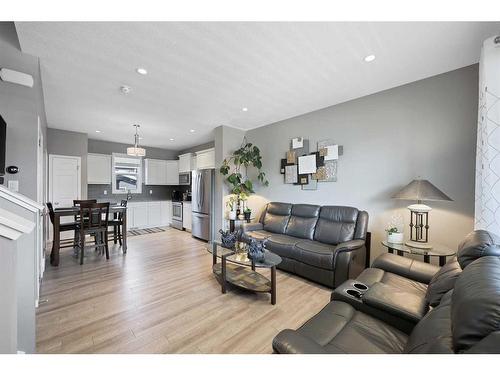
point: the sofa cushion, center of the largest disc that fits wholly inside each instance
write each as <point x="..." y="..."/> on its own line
<point x="315" y="254"/>
<point x="339" y="328"/>
<point x="336" y="224"/>
<point x="303" y="221"/>
<point x="259" y="235"/>
<point x="283" y="245"/>
<point x="277" y="216"/>
<point x="371" y="276"/>
<point x="442" y="282"/>
<point x="477" y="244"/>
<point x="475" y="309"/>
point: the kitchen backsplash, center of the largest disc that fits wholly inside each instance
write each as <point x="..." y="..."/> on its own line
<point x="158" y="193"/>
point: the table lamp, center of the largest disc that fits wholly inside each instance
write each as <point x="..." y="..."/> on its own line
<point x="420" y="190"/>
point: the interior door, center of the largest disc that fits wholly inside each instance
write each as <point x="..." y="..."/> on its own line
<point x="64" y="180"/>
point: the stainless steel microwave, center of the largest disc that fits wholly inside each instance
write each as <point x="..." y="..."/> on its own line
<point x="185" y="178"/>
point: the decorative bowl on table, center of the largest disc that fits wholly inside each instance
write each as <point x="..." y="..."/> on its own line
<point x="256" y="250"/>
<point x="228" y="238"/>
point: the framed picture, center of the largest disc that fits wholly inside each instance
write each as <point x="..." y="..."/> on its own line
<point x="307" y="164"/>
<point x="291" y="174"/>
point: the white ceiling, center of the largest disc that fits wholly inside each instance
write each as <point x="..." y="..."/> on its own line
<point x="201" y="75"/>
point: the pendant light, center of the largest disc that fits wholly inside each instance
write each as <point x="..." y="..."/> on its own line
<point x="136" y="150"/>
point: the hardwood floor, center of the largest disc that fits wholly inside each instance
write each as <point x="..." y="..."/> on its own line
<point x="162" y="298"/>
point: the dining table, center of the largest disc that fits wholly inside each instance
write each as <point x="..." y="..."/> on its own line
<point x="73" y="211"/>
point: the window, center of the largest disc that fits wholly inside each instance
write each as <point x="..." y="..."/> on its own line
<point x="127" y="174"/>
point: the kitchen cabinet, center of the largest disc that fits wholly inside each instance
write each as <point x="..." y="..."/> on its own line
<point x="99" y="169"/>
<point x="186" y="163"/>
<point x="151" y="214"/>
<point x="161" y="172"/>
<point x="186" y="215"/>
<point x="205" y="159"/>
<point x="172" y="172"/>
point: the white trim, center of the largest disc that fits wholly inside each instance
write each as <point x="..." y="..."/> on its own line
<point x="20" y="199"/>
<point x="13" y="226"/>
<point x="51" y="175"/>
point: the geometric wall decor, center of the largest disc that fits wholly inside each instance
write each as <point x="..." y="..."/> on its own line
<point x="305" y="168"/>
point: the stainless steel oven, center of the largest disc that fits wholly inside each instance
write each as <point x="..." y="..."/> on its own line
<point x="177" y="215"/>
<point x="185" y="178"/>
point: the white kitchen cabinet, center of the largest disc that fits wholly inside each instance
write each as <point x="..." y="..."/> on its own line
<point x="161" y="172"/>
<point x="186" y="215"/>
<point x="166" y="213"/>
<point x="172" y="167"/>
<point x="151" y="214"/>
<point x="154" y="214"/>
<point x="205" y="159"/>
<point x="155" y="172"/>
<point x="99" y="169"/>
<point x="141" y="216"/>
<point x="186" y="163"/>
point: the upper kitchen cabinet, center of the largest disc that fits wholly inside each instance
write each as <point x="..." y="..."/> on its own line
<point x="186" y="163"/>
<point x="161" y="172"/>
<point x="172" y="172"/>
<point x="205" y="159"/>
<point x="99" y="169"/>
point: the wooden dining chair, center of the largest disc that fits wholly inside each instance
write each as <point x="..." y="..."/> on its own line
<point x="117" y="223"/>
<point x="94" y="222"/>
<point x="77" y="203"/>
<point x="64" y="227"/>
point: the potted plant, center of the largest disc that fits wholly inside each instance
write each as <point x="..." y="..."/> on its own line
<point x="247" y="212"/>
<point x="393" y="236"/>
<point x="235" y="169"/>
<point x="231" y="204"/>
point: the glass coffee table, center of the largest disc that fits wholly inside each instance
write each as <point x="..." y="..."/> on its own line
<point x="237" y="269"/>
<point x="436" y="251"/>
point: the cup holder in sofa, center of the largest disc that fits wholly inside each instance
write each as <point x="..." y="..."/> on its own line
<point x="354" y="293"/>
<point x="360" y="286"/>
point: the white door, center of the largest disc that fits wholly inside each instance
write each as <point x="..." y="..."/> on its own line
<point x="64" y="180"/>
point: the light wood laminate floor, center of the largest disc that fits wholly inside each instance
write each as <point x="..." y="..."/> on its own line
<point x="162" y="298"/>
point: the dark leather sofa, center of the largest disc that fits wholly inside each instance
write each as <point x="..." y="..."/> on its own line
<point x="461" y="312"/>
<point x="325" y="244"/>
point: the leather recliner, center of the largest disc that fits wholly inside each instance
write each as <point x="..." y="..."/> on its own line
<point x="325" y="244"/>
<point x="466" y="320"/>
<point x="408" y="287"/>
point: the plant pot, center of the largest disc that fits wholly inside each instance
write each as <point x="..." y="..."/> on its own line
<point x="232" y="215"/>
<point x="247" y="215"/>
<point x="395" y="237"/>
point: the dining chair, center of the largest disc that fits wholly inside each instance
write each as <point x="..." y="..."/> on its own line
<point x="117" y="223"/>
<point x="64" y="227"/>
<point x="77" y="203"/>
<point x="94" y="222"/>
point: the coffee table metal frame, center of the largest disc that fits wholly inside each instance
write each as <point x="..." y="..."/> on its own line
<point x="237" y="269"/>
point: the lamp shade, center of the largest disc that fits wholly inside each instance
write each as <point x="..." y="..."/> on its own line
<point x="421" y="190"/>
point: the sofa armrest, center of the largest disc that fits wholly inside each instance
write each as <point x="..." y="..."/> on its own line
<point x="406" y="267"/>
<point x="249" y="227"/>
<point x="349" y="245"/>
<point x="290" y="342"/>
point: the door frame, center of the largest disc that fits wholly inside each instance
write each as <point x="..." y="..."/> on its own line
<point x="51" y="173"/>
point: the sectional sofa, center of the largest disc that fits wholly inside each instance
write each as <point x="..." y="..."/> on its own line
<point x="325" y="244"/>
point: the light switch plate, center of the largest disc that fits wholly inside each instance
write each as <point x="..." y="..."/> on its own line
<point x="13" y="185"/>
<point x="151" y="192"/>
<point x="105" y="192"/>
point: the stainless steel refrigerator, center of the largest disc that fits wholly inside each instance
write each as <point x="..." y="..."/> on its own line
<point x="202" y="203"/>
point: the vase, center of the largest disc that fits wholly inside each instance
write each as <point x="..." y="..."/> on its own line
<point x="247" y="215"/>
<point x="256" y="250"/>
<point x="395" y="237"/>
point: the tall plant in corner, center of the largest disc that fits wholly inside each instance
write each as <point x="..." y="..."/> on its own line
<point x="235" y="169"/>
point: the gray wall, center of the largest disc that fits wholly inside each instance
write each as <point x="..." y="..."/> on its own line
<point x="63" y="142"/>
<point x="426" y="128"/>
<point x="20" y="106"/>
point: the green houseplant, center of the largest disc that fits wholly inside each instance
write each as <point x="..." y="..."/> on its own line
<point x="235" y="168"/>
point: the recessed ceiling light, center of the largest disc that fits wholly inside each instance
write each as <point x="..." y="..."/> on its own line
<point x="192" y="131"/>
<point x="125" y="89"/>
<point x="244" y="109"/>
<point x="370" y="58"/>
<point x="141" y="71"/>
<point x="97" y="131"/>
<point x="171" y="139"/>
